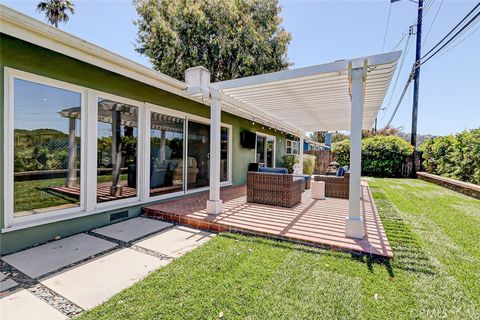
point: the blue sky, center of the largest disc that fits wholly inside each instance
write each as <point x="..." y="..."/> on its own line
<point x="324" y="31"/>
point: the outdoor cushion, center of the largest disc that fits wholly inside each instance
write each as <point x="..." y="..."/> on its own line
<point x="273" y="170"/>
<point x="341" y="172"/>
<point x="303" y="176"/>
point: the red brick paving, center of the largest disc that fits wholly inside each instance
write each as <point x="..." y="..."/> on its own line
<point x="315" y="222"/>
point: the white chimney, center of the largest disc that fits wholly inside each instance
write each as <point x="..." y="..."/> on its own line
<point x="197" y="77"/>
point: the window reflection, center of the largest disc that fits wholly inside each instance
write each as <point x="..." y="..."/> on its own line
<point x="116" y="150"/>
<point x="46" y="148"/>
<point x="166" y="154"/>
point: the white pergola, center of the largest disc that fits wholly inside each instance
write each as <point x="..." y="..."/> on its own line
<point x="341" y="95"/>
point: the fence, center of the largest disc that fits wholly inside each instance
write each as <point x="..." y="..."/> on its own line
<point x="407" y="166"/>
<point x="324" y="157"/>
<point x="322" y="160"/>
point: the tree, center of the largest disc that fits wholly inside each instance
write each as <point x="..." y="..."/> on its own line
<point x="231" y="38"/>
<point x="56" y="10"/>
<point x="319" y="136"/>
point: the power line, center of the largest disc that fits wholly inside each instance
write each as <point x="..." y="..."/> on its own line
<point x="451" y="48"/>
<point x="434" y="19"/>
<point x="400" y="100"/>
<point x="399" y="41"/>
<point x="451" y="31"/>
<point x="386" y="27"/>
<point x="451" y="39"/>
<point x="414" y="22"/>
<point x="402" y="62"/>
<point x="460" y="32"/>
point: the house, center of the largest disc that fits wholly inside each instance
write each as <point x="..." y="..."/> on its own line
<point x="89" y="137"/>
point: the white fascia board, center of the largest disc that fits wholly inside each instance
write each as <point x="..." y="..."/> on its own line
<point x="31" y="30"/>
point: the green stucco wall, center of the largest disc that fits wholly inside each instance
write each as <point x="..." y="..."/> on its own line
<point x="24" y="56"/>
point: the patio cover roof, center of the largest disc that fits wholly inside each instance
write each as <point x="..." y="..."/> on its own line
<point x="315" y="98"/>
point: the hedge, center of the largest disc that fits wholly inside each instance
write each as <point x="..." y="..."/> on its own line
<point x="381" y="155"/>
<point x="308" y="162"/>
<point x="456" y="157"/>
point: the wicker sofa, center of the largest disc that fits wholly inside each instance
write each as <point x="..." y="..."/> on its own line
<point x="275" y="189"/>
<point x="336" y="187"/>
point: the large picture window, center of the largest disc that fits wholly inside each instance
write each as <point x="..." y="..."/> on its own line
<point x="46" y="150"/>
<point x="73" y="151"/>
<point x="117" y="136"/>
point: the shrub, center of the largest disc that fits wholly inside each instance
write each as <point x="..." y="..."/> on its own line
<point x="456" y="157"/>
<point x="308" y="162"/>
<point x="381" y="155"/>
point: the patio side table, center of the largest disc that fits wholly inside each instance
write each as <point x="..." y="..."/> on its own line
<point x="318" y="190"/>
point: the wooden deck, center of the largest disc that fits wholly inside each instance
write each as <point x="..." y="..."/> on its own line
<point x="313" y="222"/>
<point x="103" y="192"/>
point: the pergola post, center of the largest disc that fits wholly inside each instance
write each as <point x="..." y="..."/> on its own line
<point x="354" y="221"/>
<point x="116" y="152"/>
<point x="72" y="154"/>
<point x="162" y="151"/>
<point x="300" y="154"/>
<point x="214" y="203"/>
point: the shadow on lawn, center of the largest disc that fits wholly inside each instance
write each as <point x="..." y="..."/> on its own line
<point x="409" y="254"/>
<point x="366" y="259"/>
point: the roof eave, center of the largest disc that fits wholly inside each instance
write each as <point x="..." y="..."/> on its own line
<point x="23" y="27"/>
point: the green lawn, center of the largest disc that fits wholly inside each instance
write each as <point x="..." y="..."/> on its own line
<point x="435" y="235"/>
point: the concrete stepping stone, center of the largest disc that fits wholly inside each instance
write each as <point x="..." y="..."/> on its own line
<point x="23" y="305"/>
<point x="7" y="284"/>
<point x="97" y="280"/>
<point x="132" y="229"/>
<point x="49" y="257"/>
<point x="176" y="241"/>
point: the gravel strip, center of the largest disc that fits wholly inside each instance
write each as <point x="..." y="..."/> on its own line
<point x="60" y="303"/>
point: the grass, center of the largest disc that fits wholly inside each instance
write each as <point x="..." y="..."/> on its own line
<point x="34" y="194"/>
<point x="435" y="274"/>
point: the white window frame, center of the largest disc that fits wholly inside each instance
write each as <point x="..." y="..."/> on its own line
<point x="292" y="142"/>
<point x="187" y="117"/>
<point x="140" y="155"/>
<point x="261" y="134"/>
<point x="89" y="110"/>
<point x="10" y="75"/>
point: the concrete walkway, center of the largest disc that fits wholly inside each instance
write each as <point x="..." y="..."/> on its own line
<point x="61" y="279"/>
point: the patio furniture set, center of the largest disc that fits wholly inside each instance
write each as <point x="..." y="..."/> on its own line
<point x="275" y="186"/>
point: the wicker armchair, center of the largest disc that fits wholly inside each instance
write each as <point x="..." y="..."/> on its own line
<point x="282" y="190"/>
<point x="336" y="187"/>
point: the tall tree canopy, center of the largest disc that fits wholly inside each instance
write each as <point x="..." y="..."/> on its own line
<point x="231" y="38"/>
<point x="56" y="10"/>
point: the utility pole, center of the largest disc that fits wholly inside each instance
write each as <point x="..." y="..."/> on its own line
<point x="416" y="84"/>
<point x="416" y="81"/>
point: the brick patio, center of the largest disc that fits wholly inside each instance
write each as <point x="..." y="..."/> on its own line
<point x="313" y="222"/>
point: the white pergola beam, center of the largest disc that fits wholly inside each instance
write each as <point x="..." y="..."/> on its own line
<point x="337" y="66"/>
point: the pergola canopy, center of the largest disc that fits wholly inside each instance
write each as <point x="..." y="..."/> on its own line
<point x="341" y="95"/>
<point x="315" y="98"/>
